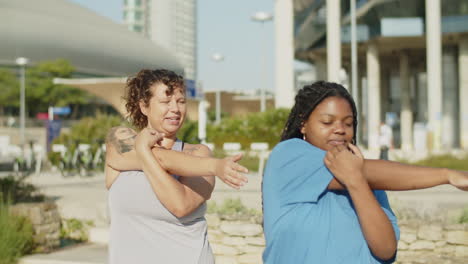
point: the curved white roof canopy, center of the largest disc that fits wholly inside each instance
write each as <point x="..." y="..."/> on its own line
<point x="51" y="29"/>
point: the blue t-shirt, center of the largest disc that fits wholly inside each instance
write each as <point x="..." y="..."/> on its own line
<point x="304" y="222"/>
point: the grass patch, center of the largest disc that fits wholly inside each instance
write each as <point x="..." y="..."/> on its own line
<point x="231" y="207"/>
<point x="250" y="162"/>
<point x="74" y="230"/>
<point x="463" y="219"/>
<point x="443" y="161"/>
<point x="16" y="236"/>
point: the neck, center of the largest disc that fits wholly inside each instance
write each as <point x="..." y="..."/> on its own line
<point x="168" y="142"/>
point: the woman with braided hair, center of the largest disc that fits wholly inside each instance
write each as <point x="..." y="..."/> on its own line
<point x="322" y="201"/>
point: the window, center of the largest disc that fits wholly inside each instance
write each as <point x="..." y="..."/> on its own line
<point x="138" y="2"/>
<point x="138" y="15"/>
<point x="137" y="28"/>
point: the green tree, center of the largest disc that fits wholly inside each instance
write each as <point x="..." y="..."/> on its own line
<point x="41" y="92"/>
<point x="9" y="88"/>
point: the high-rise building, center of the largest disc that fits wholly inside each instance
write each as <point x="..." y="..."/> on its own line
<point x="136" y="16"/>
<point x="169" y="23"/>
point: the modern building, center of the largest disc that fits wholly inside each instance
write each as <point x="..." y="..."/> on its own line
<point x="412" y="63"/>
<point x="169" y="23"/>
<point x="236" y="104"/>
<point x="136" y="16"/>
<point x="103" y="53"/>
<point x="95" y="46"/>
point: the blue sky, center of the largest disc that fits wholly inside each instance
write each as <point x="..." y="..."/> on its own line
<point x="224" y="26"/>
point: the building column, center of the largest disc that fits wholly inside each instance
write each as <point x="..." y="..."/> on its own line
<point x="373" y="96"/>
<point x="333" y="40"/>
<point x="360" y="106"/>
<point x="450" y="98"/>
<point x="434" y="73"/>
<point x="284" y="53"/>
<point x="406" y="114"/>
<point x="385" y="91"/>
<point x="321" y="68"/>
<point x="463" y="86"/>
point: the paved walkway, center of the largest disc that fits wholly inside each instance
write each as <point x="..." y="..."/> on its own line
<point x="82" y="254"/>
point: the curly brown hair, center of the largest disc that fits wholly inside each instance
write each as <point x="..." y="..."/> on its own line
<point x="138" y="89"/>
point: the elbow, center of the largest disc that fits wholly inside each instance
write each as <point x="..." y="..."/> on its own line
<point x="181" y="211"/>
<point x="387" y="252"/>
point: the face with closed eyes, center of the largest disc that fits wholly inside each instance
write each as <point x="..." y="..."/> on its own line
<point x="330" y="124"/>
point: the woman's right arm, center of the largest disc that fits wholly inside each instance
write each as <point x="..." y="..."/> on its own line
<point x="121" y="155"/>
<point x="375" y="224"/>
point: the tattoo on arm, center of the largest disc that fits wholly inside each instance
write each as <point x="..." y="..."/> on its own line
<point x="191" y="149"/>
<point x="122" y="138"/>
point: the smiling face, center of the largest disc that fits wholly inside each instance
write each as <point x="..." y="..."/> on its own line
<point x="165" y="112"/>
<point x="330" y="124"/>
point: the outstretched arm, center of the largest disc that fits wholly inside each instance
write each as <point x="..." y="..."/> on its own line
<point x="121" y="155"/>
<point x="396" y="176"/>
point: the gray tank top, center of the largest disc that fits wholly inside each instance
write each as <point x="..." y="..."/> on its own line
<point x="143" y="231"/>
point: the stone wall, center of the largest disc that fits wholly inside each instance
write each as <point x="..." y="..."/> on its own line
<point x="241" y="241"/>
<point x="235" y="240"/>
<point x="45" y="219"/>
<point x="433" y="243"/>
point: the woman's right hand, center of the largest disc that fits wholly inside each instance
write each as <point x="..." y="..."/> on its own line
<point x="147" y="138"/>
<point x="346" y="164"/>
<point x="230" y="172"/>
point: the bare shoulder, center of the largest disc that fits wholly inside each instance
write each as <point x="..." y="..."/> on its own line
<point x="197" y="150"/>
<point x="119" y="133"/>
<point x="122" y="138"/>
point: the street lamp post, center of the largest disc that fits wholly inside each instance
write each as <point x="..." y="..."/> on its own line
<point x="217" y="57"/>
<point x="21" y="61"/>
<point x="263" y="17"/>
<point x="354" y="57"/>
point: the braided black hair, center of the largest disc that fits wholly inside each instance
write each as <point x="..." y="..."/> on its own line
<point x="307" y="100"/>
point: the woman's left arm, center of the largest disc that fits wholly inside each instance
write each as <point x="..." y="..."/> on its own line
<point x="375" y="224"/>
<point x="396" y="176"/>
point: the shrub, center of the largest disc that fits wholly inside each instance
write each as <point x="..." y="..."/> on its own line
<point x="445" y="161"/>
<point x="16" y="236"/>
<point x="463" y="217"/>
<point x="89" y="130"/>
<point x="189" y="132"/>
<point x="255" y="127"/>
<point x="231" y="207"/>
<point x="15" y="190"/>
<point x="75" y="229"/>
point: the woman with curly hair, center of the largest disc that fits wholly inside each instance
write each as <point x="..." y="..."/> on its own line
<point x="322" y="202"/>
<point x="158" y="184"/>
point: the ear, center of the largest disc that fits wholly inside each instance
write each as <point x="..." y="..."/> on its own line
<point x="143" y="107"/>
<point x="302" y="128"/>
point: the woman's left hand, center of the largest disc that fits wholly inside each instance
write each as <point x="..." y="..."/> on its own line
<point x="346" y="163"/>
<point x="147" y="138"/>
